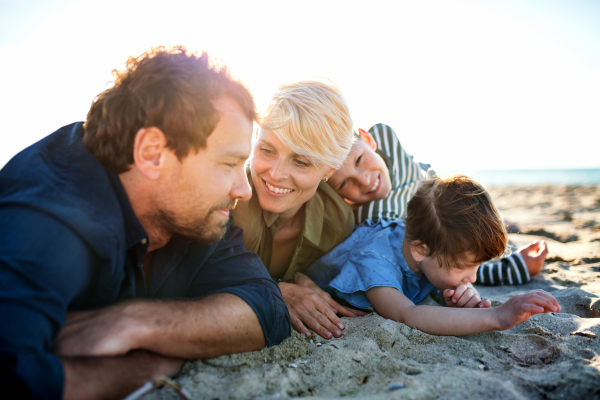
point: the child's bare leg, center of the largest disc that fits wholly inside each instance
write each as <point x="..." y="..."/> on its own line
<point x="534" y="255"/>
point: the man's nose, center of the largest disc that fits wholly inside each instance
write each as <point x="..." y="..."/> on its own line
<point x="241" y="189"/>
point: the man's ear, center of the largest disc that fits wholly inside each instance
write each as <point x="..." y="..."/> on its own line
<point x="367" y="138"/>
<point x="149" y="151"/>
<point x="419" y="251"/>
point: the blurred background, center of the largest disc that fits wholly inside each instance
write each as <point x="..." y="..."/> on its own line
<point x="507" y="91"/>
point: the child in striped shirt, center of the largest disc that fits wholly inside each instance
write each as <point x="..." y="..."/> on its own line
<point x="378" y="179"/>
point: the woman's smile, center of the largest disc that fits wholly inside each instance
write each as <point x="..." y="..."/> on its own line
<point x="284" y="180"/>
<point x="276" y="190"/>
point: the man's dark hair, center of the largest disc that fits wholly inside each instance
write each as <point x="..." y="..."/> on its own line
<point x="171" y="89"/>
<point x="453" y="215"/>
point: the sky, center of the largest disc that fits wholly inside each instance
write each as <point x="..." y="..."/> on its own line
<point x="467" y="85"/>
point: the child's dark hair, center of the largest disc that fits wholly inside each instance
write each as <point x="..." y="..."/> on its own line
<point x="453" y="215"/>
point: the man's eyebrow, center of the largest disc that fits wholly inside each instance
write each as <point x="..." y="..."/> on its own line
<point x="238" y="155"/>
<point x="233" y="153"/>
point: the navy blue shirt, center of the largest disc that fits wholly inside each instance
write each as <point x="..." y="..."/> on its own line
<point x="69" y="240"/>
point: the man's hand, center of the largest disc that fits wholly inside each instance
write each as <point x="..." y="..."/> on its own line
<point x="114" y="377"/>
<point x="522" y="306"/>
<point x="465" y="296"/>
<point x="534" y="255"/>
<point x="103" y="332"/>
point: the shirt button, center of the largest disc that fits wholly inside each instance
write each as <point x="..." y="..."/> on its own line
<point x="144" y="241"/>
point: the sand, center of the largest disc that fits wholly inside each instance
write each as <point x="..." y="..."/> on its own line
<point x="551" y="356"/>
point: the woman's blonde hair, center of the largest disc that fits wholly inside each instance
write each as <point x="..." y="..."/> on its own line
<point x="313" y="119"/>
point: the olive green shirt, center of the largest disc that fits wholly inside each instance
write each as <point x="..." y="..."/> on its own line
<point x="328" y="221"/>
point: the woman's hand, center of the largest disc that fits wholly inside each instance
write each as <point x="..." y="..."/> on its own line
<point x="303" y="280"/>
<point x="310" y="306"/>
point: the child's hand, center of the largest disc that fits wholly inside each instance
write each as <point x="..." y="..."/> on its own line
<point x="465" y="297"/>
<point x="534" y="255"/>
<point x="522" y="306"/>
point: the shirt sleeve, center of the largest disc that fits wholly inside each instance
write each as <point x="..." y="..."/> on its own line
<point x="231" y="268"/>
<point x="40" y="272"/>
<point x="510" y="270"/>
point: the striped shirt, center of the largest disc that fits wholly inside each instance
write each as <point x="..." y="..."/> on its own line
<point x="406" y="174"/>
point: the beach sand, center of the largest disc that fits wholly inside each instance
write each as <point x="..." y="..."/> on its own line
<point x="551" y="356"/>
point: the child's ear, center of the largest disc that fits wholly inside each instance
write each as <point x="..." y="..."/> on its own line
<point x="367" y="138"/>
<point x="419" y="251"/>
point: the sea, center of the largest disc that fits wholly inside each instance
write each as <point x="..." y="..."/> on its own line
<point x="492" y="178"/>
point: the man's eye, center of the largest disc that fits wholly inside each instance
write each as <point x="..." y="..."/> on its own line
<point x="342" y="185"/>
<point x="358" y="160"/>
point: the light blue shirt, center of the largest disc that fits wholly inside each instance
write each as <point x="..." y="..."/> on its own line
<point x="371" y="257"/>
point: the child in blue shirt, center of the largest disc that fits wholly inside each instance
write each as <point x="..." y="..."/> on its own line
<point x="451" y="227"/>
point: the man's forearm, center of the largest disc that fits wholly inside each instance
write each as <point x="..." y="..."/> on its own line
<point x="114" y="377"/>
<point x="204" y="328"/>
<point x="210" y="327"/>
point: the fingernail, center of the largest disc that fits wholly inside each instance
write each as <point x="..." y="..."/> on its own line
<point x="307" y="333"/>
<point x="337" y="333"/>
<point x="327" y="334"/>
<point x="340" y="325"/>
<point x="454" y="300"/>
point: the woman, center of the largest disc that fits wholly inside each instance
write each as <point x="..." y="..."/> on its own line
<point x="293" y="217"/>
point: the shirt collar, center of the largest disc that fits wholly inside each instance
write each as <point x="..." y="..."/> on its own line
<point x="134" y="231"/>
<point x="313" y="218"/>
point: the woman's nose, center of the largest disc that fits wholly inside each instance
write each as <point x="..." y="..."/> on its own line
<point x="278" y="170"/>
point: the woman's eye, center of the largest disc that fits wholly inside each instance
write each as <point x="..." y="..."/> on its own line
<point x="301" y="163"/>
<point x="266" y="151"/>
<point x="342" y="185"/>
<point x="358" y="160"/>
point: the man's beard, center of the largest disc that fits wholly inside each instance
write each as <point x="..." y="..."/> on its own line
<point x="202" y="231"/>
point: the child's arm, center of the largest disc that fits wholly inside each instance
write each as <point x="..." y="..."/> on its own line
<point x="391" y="303"/>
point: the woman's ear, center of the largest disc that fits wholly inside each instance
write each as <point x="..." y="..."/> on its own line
<point x="149" y="152"/>
<point x="419" y="251"/>
<point x="367" y="138"/>
<point x="329" y="173"/>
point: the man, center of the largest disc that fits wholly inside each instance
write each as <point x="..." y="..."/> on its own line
<point x="98" y="220"/>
